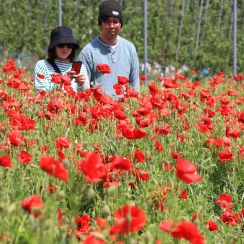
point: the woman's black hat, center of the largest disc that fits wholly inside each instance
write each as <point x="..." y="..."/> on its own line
<point x="62" y="34"/>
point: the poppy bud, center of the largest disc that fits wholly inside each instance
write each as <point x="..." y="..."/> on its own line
<point x="106" y="210"/>
<point x="90" y="193"/>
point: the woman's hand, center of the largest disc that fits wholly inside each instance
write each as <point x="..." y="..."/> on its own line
<point x="80" y="79"/>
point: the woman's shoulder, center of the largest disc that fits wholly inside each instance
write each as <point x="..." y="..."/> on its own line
<point x="41" y="62"/>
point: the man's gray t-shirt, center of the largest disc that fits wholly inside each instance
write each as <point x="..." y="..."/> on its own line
<point x="122" y="59"/>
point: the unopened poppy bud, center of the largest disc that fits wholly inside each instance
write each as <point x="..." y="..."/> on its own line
<point x="113" y="189"/>
<point x="90" y="193"/>
<point x="148" y="237"/>
<point x="11" y="208"/>
<point x="66" y="163"/>
<point x="65" y="220"/>
<point x="106" y="210"/>
<point x="61" y="195"/>
<point x="99" y="236"/>
<point x="36" y="211"/>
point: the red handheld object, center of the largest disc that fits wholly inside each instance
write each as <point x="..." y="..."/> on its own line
<point x="76" y="65"/>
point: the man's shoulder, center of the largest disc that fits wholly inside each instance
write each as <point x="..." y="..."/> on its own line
<point x="126" y="42"/>
<point x="90" y="45"/>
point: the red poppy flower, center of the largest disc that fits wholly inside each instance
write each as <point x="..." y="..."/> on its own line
<point x="60" y="217"/>
<point x="242" y="213"/>
<point x="141" y="174"/>
<point x="196" y="215"/>
<point x="160" y="78"/>
<point x="118" y="114"/>
<point x="234" y="133"/>
<point x="139" y="155"/>
<point x="44" y="148"/>
<point x="187" y="171"/>
<point x="102" y="223"/>
<point x="53" y="167"/>
<point x="62" y="142"/>
<point x="121" y="164"/>
<point x="82" y="225"/>
<point x="123" y="80"/>
<point x="14" y="83"/>
<point x="55" y="106"/>
<point x="175" y="154"/>
<point x="61" y="155"/>
<point x="20" y="121"/>
<point x="103" y="68"/>
<point x="100" y="96"/>
<point x="238" y="77"/>
<point x="183" y="194"/>
<point x="92" y="239"/>
<point x="212" y="226"/>
<point x="162" y="130"/>
<point x="129" y="219"/>
<point x="51" y="188"/>
<point x="225" y="155"/>
<point x="143" y="122"/>
<point x="138" y="133"/>
<point x="225" y="110"/>
<point x="15" y="137"/>
<point x="153" y="88"/>
<point x="66" y="80"/>
<point x="224" y="201"/>
<point x="189" y="231"/>
<point x="166" y="225"/>
<point x="241" y="117"/>
<point x="168" y="167"/>
<point x="118" y="89"/>
<point x="241" y="152"/>
<point x="133" y="134"/>
<point x="203" y="128"/>
<point x="41" y="76"/>
<point x="143" y="78"/>
<point x="56" y="78"/>
<point x="33" y="205"/>
<point x="9" y="66"/>
<point x="171" y="83"/>
<point x="157" y="144"/>
<point x="5" y="161"/>
<point x="93" y="167"/>
<point x="230" y="217"/>
<point x="82" y="119"/>
<point x="25" y="157"/>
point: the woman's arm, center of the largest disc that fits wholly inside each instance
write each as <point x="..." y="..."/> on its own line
<point x="42" y="78"/>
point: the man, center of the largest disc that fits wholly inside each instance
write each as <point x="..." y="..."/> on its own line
<point x="111" y="49"/>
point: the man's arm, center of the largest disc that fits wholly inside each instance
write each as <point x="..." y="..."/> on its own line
<point x="134" y="72"/>
<point x="84" y="57"/>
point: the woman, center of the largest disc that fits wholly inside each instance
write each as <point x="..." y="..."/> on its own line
<point x="61" y="53"/>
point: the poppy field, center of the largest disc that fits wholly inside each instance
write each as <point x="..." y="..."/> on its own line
<point x="165" y="166"/>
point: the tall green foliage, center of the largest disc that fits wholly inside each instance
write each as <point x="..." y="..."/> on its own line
<point x="173" y="27"/>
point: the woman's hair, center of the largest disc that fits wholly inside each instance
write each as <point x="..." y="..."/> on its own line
<point x="52" y="54"/>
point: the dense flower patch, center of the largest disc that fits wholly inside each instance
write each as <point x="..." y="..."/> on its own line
<point x="158" y="167"/>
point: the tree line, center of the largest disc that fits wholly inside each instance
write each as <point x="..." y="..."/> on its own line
<point x="197" y="33"/>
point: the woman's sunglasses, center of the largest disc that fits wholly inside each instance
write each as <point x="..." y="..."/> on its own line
<point x="62" y="45"/>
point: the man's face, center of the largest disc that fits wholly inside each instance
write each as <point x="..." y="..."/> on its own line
<point x="111" y="27"/>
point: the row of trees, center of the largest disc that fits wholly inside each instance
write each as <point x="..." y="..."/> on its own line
<point x="198" y="33"/>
